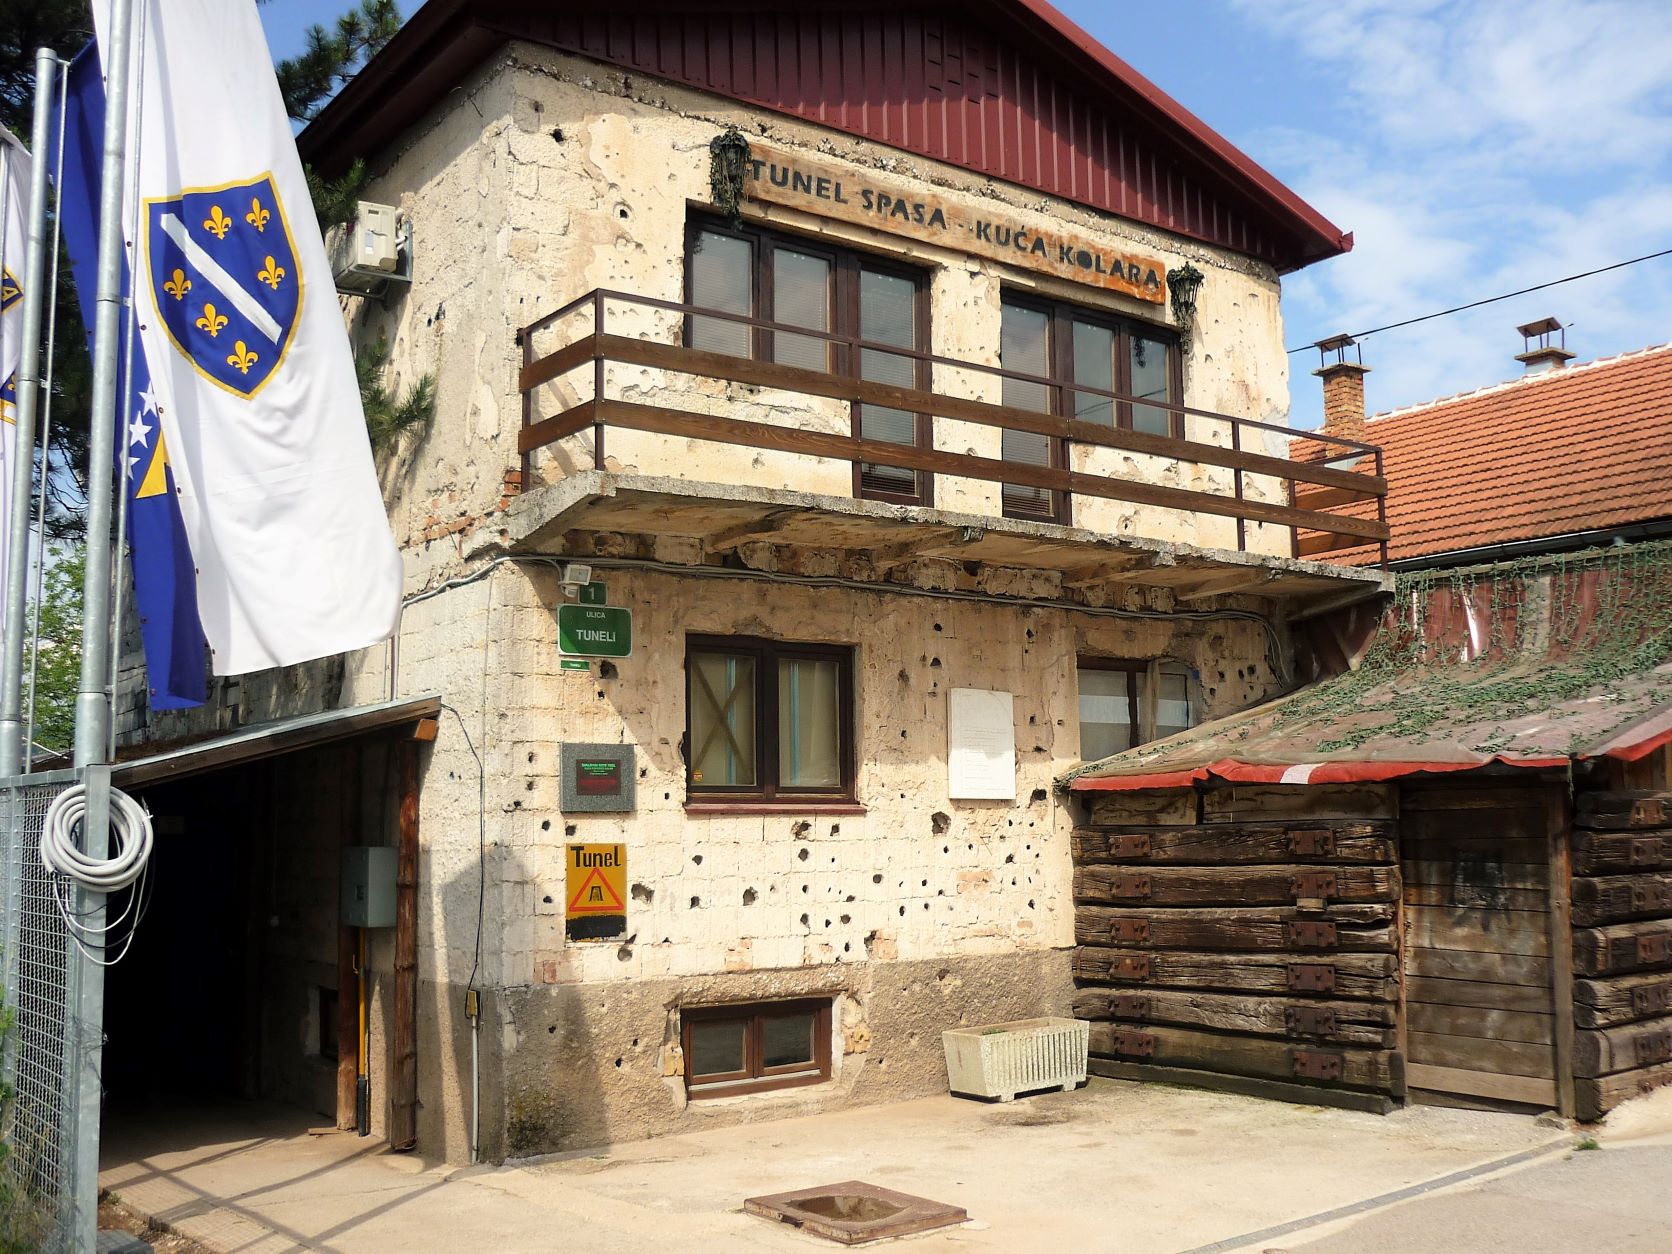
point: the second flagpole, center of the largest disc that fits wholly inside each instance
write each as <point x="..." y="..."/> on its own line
<point x="13" y="751"/>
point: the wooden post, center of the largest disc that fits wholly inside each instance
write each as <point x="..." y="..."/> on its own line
<point x="403" y="1088"/>
<point x="348" y="979"/>
<point x="1560" y="816"/>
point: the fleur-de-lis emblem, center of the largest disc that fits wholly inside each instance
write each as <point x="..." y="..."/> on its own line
<point x="177" y="285"/>
<point x="257" y="216"/>
<point x="272" y="274"/>
<point x="212" y="322"/>
<point x="241" y="357"/>
<point x="217" y="223"/>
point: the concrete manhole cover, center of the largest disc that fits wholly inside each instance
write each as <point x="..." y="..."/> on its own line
<point x="853" y="1211"/>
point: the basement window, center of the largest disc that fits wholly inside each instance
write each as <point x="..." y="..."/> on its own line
<point x="1124" y="704"/>
<point x="755" y="1048"/>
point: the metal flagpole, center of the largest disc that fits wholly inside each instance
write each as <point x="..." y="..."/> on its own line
<point x="93" y="700"/>
<point x="12" y="749"/>
<point x="46" y="421"/>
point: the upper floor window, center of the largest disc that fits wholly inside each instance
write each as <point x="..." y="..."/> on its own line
<point x="862" y="306"/>
<point x="767" y="720"/>
<point x="1124" y="704"/>
<point x="1053" y="343"/>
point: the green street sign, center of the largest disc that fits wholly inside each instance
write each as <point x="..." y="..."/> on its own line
<point x="594" y="631"/>
<point x="593" y="593"/>
<point x="574" y="664"/>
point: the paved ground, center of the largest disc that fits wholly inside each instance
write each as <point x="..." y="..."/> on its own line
<point x="1113" y="1167"/>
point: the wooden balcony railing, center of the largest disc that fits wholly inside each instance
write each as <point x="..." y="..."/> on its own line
<point x="1333" y="496"/>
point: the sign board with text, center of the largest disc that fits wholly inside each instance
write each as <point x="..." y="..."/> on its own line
<point x="595" y="892"/>
<point x="594" y="631"/>
<point x="998" y="232"/>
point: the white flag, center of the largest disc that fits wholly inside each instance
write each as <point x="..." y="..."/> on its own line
<point x="250" y="361"/>
<point x="14" y="216"/>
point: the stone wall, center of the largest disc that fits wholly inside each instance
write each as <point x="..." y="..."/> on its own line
<point x="747" y="904"/>
<point x="548" y="176"/>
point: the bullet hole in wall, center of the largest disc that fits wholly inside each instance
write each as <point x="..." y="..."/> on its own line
<point x="529" y="786"/>
<point x="902" y="912"/>
<point x="1010" y="857"/>
<point x="803" y="920"/>
<point x="802" y="854"/>
<point x="946" y="848"/>
<point x="644" y="893"/>
<point x="835" y="829"/>
<point x="750" y="896"/>
<point x="905" y="677"/>
<point x="618" y="1064"/>
<point x="625" y="953"/>
<point x="547" y="899"/>
<point x="934" y="663"/>
<point x="876" y="879"/>
<point x="568" y="829"/>
<point x="696" y="859"/>
<point x="545" y="825"/>
<point x="696" y="902"/>
<point x="557" y="134"/>
<point x="939" y="821"/>
<point x="937" y="626"/>
<point x="606" y="670"/>
<point x="552" y="1031"/>
<point x="902" y="737"/>
<point x="531" y="757"/>
<point x="801" y="828"/>
<point x="847" y="918"/>
<point x="1039" y="794"/>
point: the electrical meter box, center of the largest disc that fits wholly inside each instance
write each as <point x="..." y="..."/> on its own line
<point x="369" y="885"/>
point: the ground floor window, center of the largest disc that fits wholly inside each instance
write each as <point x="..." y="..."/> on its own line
<point x="1124" y="704"/>
<point x="751" y="1048"/>
<point x="767" y="720"/>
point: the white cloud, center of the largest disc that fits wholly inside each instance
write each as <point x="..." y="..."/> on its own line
<point x="1475" y="149"/>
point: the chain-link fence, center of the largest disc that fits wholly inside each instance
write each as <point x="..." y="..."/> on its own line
<point x="41" y="989"/>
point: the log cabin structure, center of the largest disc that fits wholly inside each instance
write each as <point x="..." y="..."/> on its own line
<point x="1442" y="871"/>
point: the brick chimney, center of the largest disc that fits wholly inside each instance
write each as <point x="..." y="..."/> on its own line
<point x="1343" y="386"/>
<point x="1540" y="354"/>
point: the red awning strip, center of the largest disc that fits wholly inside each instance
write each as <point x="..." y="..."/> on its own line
<point x="1235" y="772"/>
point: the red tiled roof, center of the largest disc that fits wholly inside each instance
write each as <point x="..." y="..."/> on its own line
<point x="1584" y="448"/>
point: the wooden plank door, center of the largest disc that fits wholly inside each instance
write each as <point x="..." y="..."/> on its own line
<point x="1477" y="958"/>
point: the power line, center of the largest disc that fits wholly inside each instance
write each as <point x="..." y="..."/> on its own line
<point x="1476" y="304"/>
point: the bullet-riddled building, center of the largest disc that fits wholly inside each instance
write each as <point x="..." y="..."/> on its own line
<point x="849" y="419"/>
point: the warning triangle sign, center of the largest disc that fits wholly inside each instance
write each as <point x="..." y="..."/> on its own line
<point x="596" y="895"/>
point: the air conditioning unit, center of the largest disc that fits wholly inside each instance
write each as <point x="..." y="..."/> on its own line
<point x="372" y="252"/>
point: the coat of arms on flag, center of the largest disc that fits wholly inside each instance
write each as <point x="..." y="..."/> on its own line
<point x="225" y="280"/>
<point x="11" y="293"/>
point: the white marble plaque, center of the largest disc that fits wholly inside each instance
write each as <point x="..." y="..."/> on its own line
<point x="981" y="745"/>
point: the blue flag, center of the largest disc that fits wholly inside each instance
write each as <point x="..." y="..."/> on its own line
<point x="165" y="586"/>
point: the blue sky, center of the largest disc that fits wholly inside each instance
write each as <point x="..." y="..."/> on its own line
<point x="1472" y="146"/>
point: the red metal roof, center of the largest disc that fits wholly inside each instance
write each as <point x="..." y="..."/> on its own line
<point x="1006" y="88"/>
<point x="1528" y="665"/>
<point x="1580" y="449"/>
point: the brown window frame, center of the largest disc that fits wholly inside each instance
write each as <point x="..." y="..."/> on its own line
<point x="1143" y="685"/>
<point x="756" y="1078"/>
<point x="1060" y="315"/>
<point x="768" y="791"/>
<point x="843" y="358"/>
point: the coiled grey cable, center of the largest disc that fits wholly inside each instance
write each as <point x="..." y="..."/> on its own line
<point x="130" y="826"/>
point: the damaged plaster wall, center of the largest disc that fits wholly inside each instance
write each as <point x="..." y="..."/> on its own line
<point x="548" y="176"/>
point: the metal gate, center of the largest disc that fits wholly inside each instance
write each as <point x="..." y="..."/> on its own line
<point x="42" y="990"/>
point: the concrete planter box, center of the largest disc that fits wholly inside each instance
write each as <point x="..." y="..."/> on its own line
<point x="1003" y="1059"/>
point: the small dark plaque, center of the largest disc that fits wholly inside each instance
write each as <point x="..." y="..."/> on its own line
<point x="596" y="778"/>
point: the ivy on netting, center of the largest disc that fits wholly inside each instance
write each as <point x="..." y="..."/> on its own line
<point x="1542" y="631"/>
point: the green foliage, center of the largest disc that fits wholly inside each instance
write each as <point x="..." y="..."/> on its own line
<point x="1557" y="627"/>
<point x="1586" y="1143"/>
<point x="333" y="56"/>
<point x="336" y="201"/>
<point x="59" y="670"/>
<point x="388" y="416"/>
<point x="25" y="1219"/>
